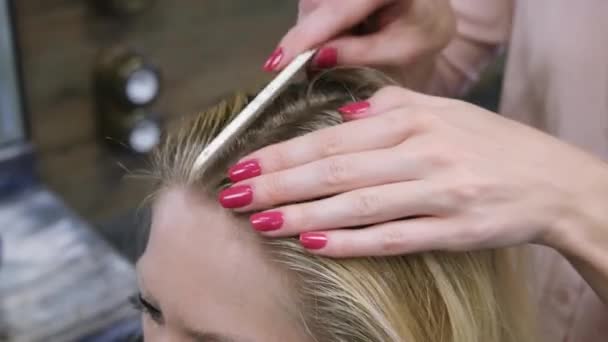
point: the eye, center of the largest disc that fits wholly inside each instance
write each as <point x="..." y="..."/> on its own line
<point x="141" y="304"/>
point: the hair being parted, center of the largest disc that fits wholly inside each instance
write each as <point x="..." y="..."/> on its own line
<point x="435" y="296"/>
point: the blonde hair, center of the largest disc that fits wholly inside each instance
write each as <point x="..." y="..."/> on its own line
<point x="436" y="296"/>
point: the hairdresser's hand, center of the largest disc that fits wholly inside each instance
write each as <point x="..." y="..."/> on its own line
<point x="412" y="172"/>
<point x="396" y="35"/>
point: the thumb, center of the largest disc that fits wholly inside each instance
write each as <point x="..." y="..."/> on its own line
<point x="326" y="21"/>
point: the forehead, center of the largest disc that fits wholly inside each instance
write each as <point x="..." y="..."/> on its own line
<point x="208" y="270"/>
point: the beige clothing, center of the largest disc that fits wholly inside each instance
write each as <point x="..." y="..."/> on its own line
<point x="556" y="80"/>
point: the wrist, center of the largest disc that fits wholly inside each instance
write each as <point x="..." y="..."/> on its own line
<point x="582" y="235"/>
<point x="581" y="228"/>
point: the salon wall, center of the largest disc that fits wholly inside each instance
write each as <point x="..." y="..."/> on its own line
<point x="204" y="48"/>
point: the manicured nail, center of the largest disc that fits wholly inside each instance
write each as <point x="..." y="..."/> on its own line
<point x="313" y="240"/>
<point x="268" y="221"/>
<point x="354" y="110"/>
<point x="326" y="58"/>
<point x="236" y="196"/>
<point x="273" y="61"/>
<point x="244" y="170"/>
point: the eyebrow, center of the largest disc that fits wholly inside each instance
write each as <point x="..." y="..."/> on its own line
<point x="198" y="336"/>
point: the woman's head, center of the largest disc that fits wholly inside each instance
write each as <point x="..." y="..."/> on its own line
<point x="207" y="271"/>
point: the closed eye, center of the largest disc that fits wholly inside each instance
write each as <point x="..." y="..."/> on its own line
<point x="143" y="305"/>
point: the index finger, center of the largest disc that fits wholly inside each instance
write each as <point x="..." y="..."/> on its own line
<point x="325" y="22"/>
<point x="376" y="132"/>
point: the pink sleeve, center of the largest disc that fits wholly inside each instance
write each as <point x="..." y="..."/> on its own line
<point x="483" y="27"/>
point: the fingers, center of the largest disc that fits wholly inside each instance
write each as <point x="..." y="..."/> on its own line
<point x="330" y="176"/>
<point x="324" y="22"/>
<point x="392" y="238"/>
<point x="389" y="99"/>
<point x="384" y="48"/>
<point x="379" y="132"/>
<point x="352" y="209"/>
<point x="392" y="98"/>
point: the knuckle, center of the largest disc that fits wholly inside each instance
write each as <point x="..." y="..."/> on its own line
<point x="280" y="159"/>
<point x="397" y="124"/>
<point x="409" y="122"/>
<point x="422" y="121"/>
<point x="438" y="157"/>
<point x="448" y="106"/>
<point x="337" y="171"/>
<point x="307" y="6"/>
<point x="465" y="193"/>
<point x="274" y="189"/>
<point x="331" y="144"/>
<point x="367" y="205"/>
<point x="389" y="93"/>
<point x="298" y="217"/>
<point x="393" y="242"/>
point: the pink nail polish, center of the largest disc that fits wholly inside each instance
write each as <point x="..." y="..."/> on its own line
<point x="244" y="170"/>
<point x="236" y="196"/>
<point x="326" y="58"/>
<point x="268" y="221"/>
<point x="313" y="240"/>
<point x="273" y="61"/>
<point x="354" y="110"/>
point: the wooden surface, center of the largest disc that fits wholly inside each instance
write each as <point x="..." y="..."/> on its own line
<point x="58" y="281"/>
<point x="205" y="50"/>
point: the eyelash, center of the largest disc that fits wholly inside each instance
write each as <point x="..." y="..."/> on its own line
<point x="140" y="304"/>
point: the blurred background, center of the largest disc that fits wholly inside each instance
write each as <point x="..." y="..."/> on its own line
<point x="86" y="88"/>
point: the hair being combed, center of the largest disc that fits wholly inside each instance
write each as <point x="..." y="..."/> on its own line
<point x="435" y="296"/>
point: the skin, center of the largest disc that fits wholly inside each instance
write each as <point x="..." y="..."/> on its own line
<point x="465" y="177"/>
<point x="402" y="37"/>
<point x="211" y="278"/>
<point x="429" y="173"/>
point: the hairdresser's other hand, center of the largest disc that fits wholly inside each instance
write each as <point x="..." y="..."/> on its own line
<point x="415" y="172"/>
<point x="389" y="34"/>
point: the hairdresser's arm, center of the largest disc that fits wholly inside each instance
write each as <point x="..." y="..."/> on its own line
<point x="406" y="38"/>
<point x="422" y="173"/>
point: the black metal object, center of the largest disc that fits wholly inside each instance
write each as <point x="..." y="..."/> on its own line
<point x="122" y="75"/>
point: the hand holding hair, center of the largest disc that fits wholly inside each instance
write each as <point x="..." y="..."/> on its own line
<point x="413" y="172"/>
<point x="474" y="296"/>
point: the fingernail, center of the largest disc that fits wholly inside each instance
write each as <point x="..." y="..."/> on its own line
<point x="273" y="61"/>
<point x="326" y="58"/>
<point x="244" y="170"/>
<point x="313" y="240"/>
<point x="268" y="221"/>
<point x="353" y="110"/>
<point x="236" y="196"/>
